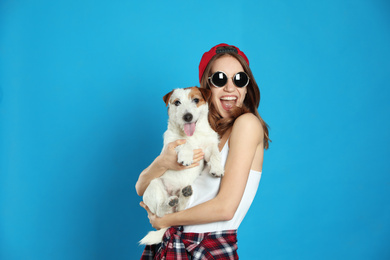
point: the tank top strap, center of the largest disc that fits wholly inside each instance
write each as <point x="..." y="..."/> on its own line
<point x="224" y="152"/>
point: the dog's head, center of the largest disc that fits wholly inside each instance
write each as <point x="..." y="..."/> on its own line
<point x="186" y="107"/>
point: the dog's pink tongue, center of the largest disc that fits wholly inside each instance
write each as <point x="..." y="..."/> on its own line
<point x="189" y="129"/>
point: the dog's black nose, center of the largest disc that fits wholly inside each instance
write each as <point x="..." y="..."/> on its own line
<point x="187" y="117"/>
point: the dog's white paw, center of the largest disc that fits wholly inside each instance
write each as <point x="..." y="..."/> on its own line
<point x="216" y="170"/>
<point x="185" y="157"/>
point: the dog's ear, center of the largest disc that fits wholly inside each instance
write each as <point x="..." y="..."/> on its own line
<point x="167" y="97"/>
<point x="206" y="93"/>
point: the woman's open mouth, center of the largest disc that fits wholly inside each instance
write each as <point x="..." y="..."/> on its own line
<point x="228" y="102"/>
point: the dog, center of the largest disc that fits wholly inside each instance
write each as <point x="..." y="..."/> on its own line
<point x="188" y="119"/>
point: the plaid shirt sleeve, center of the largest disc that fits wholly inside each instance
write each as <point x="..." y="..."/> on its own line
<point x="177" y="245"/>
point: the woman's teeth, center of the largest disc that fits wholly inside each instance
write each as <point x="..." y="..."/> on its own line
<point x="228" y="98"/>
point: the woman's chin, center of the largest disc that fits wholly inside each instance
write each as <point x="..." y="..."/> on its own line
<point x="225" y="113"/>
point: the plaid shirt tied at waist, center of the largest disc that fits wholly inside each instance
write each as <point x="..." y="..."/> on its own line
<point x="177" y="245"/>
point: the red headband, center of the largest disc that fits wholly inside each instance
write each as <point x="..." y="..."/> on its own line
<point x="213" y="51"/>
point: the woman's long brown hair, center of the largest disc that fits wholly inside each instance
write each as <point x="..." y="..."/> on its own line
<point x="251" y="101"/>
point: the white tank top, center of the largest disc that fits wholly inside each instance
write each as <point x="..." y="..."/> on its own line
<point x="206" y="188"/>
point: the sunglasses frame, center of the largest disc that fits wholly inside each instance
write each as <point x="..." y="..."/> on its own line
<point x="232" y="78"/>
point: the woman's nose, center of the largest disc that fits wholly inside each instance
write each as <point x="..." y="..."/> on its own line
<point x="229" y="87"/>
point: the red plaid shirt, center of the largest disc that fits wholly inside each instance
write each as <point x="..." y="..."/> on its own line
<point x="177" y="245"/>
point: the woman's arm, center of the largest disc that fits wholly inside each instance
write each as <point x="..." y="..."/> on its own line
<point x="167" y="160"/>
<point x="246" y="136"/>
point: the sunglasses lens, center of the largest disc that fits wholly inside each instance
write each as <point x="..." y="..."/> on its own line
<point x="241" y="79"/>
<point x="219" y="79"/>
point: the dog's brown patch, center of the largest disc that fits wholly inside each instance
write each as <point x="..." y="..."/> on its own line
<point x="198" y="93"/>
<point x="201" y="93"/>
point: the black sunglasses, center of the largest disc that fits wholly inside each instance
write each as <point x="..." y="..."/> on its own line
<point x="219" y="79"/>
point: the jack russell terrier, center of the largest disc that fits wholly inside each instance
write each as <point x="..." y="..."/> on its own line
<point x="188" y="119"/>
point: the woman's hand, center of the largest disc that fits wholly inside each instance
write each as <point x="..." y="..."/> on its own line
<point x="153" y="219"/>
<point x="168" y="157"/>
<point x="167" y="160"/>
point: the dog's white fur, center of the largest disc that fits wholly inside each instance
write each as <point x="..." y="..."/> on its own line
<point x="171" y="192"/>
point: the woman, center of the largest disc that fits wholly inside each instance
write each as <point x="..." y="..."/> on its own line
<point x="208" y="227"/>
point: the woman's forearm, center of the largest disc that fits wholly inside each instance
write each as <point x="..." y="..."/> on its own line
<point x="154" y="170"/>
<point x="211" y="211"/>
<point x="167" y="160"/>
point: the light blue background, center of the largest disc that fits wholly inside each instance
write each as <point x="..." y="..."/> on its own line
<point x="81" y="114"/>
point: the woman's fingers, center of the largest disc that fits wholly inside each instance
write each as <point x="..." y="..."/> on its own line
<point x="151" y="216"/>
<point x="170" y="156"/>
<point x="142" y="204"/>
<point x="176" y="143"/>
<point x="198" y="155"/>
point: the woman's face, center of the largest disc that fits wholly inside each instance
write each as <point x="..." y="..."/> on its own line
<point x="227" y="97"/>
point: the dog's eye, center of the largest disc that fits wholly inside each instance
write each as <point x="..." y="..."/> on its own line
<point x="196" y="100"/>
<point x="177" y="103"/>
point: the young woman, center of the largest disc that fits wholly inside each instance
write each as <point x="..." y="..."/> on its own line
<point x="208" y="227"/>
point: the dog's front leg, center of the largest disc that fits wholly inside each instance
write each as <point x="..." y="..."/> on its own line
<point x="185" y="154"/>
<point x="213" y="158"/>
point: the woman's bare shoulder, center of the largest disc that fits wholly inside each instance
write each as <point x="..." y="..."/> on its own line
<point x="247" y="126"/>
<point x="248" y="120"/>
